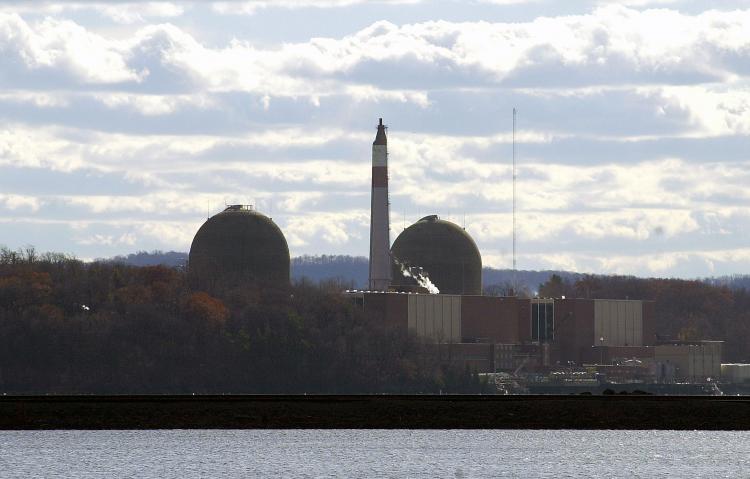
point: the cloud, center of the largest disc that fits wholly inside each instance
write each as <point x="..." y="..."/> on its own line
<point x="122" y="12"/>
<point x="250" y="7"/>
<point x="15" y="202"/>
<point x="511" y="2"/>
<point x="639" y="3"/>
<point x="126" y="239"/>
<point x="56" y="47"/>
<point x="633" y="124"/>
<point x="178" y="235"/>
<point x="154" y="105"/>
<point x="714" y="109"/>
<point x="612" y="45"/>
<point x="334" y="229"/>
<point x="668" y="264"/>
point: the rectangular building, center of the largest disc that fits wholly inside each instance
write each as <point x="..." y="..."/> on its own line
<point x="583" y="327"/>
<point x="735" y="373"/>
<point x="618" y="323"/>
<point x="435" y="316"/>
<point x="492" y="319"/>
<point x="693" y="361"/>
<point x="571" y="330"/>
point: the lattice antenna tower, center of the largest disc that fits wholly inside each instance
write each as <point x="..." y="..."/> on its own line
<point x="515" y="283"/>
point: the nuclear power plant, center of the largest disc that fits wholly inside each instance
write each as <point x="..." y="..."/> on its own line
<point x="442" y="252"/>
<point x="238" y="246"/>
<point x="429" y="284"/>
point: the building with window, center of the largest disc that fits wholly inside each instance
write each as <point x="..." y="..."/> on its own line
<point x="558" y="331"/>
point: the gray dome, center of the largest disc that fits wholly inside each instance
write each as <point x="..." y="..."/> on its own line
<point x="238" y="246"/>
<point x="444" y="251"/>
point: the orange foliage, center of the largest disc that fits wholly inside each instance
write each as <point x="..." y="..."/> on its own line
<point x="158" y="274"/>
<point x="206" y="308"/>
<point x="133" y="294"/>
<point x="25" y="288"/>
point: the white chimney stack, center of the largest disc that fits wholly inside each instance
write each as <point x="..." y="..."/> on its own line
<point x="380" y="237"/>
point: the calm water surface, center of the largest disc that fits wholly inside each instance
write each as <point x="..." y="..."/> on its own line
<point x="355" y="453"/>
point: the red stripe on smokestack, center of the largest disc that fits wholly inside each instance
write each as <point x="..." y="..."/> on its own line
<point x="379" y="177"/>
<point x="380" y="241"/>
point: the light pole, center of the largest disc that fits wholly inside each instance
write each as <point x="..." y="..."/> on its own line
<point x="601" y="350"/>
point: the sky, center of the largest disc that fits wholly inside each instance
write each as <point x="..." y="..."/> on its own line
<point x="124" y="124"/>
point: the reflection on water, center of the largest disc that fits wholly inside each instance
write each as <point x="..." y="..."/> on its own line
<point x="356" y="453"/>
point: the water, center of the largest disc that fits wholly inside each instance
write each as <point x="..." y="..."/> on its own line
<point x="357" y="453"/>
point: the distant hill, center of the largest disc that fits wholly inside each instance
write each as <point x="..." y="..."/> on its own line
<point x="737" y="281"/>
<point x="173" y="259"/>
<point x="353" y="270"/>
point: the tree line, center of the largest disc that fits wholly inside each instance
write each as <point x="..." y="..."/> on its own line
<point x="69" y="327"/>
<point x="105" y="327"/>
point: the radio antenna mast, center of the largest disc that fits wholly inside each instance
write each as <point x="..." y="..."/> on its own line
<point x="515" y="285"/>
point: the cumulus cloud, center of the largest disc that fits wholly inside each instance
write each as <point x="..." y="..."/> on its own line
<point x="612" y="45"/>
<point x="714" y="109"/>
<point x="250" y="7"/>
<point x="639" y="3"/>
<point x="631" y="140"/>
<point x="334" y="229"/>
<point x="126" y="12"/>
<point x="58" y="47"/>
<point x="15" y="202"/>
<point x="126" y="239"/>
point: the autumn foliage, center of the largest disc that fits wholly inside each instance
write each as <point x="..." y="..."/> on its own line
<point x="203" y="307"/>
<point x="73" y="327"/>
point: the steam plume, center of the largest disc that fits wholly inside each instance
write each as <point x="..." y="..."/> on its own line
<point x="419" y="275"/>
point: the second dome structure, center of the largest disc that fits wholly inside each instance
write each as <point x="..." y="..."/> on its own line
<point x="445" y="253"/>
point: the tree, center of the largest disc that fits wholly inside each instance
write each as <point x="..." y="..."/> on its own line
<point x="555" y="287"/>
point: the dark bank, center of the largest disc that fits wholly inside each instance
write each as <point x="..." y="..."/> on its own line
<point x="376" y="412"/>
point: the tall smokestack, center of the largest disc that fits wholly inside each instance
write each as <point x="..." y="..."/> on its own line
<point x="380" y="237"/>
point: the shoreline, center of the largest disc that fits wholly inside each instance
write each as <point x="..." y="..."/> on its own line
<point x="374" y="412"/>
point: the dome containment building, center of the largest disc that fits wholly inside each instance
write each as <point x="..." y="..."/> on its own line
<point x="238" y="246"/>
<point x="444" y="251"/>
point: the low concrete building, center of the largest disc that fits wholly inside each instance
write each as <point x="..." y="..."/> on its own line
<point x="618" y="323"/>
<point x="693" y="361"/>
<point x="435" y="316"/>
<point x="735" y="373"/>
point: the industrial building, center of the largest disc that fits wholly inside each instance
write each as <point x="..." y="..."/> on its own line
<point x="694" y="361"/>
<point x="564" y="331"/>
<point x="434" y="290"/>
<point x="736" y="373"/>
<point x="441" y="251"/>
<point x="554" y="337"/>
<point x="429" y="284"/>
<point x="238" y="246"/>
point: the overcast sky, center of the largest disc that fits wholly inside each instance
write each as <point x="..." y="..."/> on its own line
<point x="121" y="123"/>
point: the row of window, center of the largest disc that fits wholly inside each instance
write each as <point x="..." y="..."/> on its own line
<point x="542" y="321"/>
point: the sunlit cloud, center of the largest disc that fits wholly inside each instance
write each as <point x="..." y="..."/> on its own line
<point x="633" y="125"/>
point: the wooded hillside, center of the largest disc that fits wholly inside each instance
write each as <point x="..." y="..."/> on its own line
<point x="73" y="327"/>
